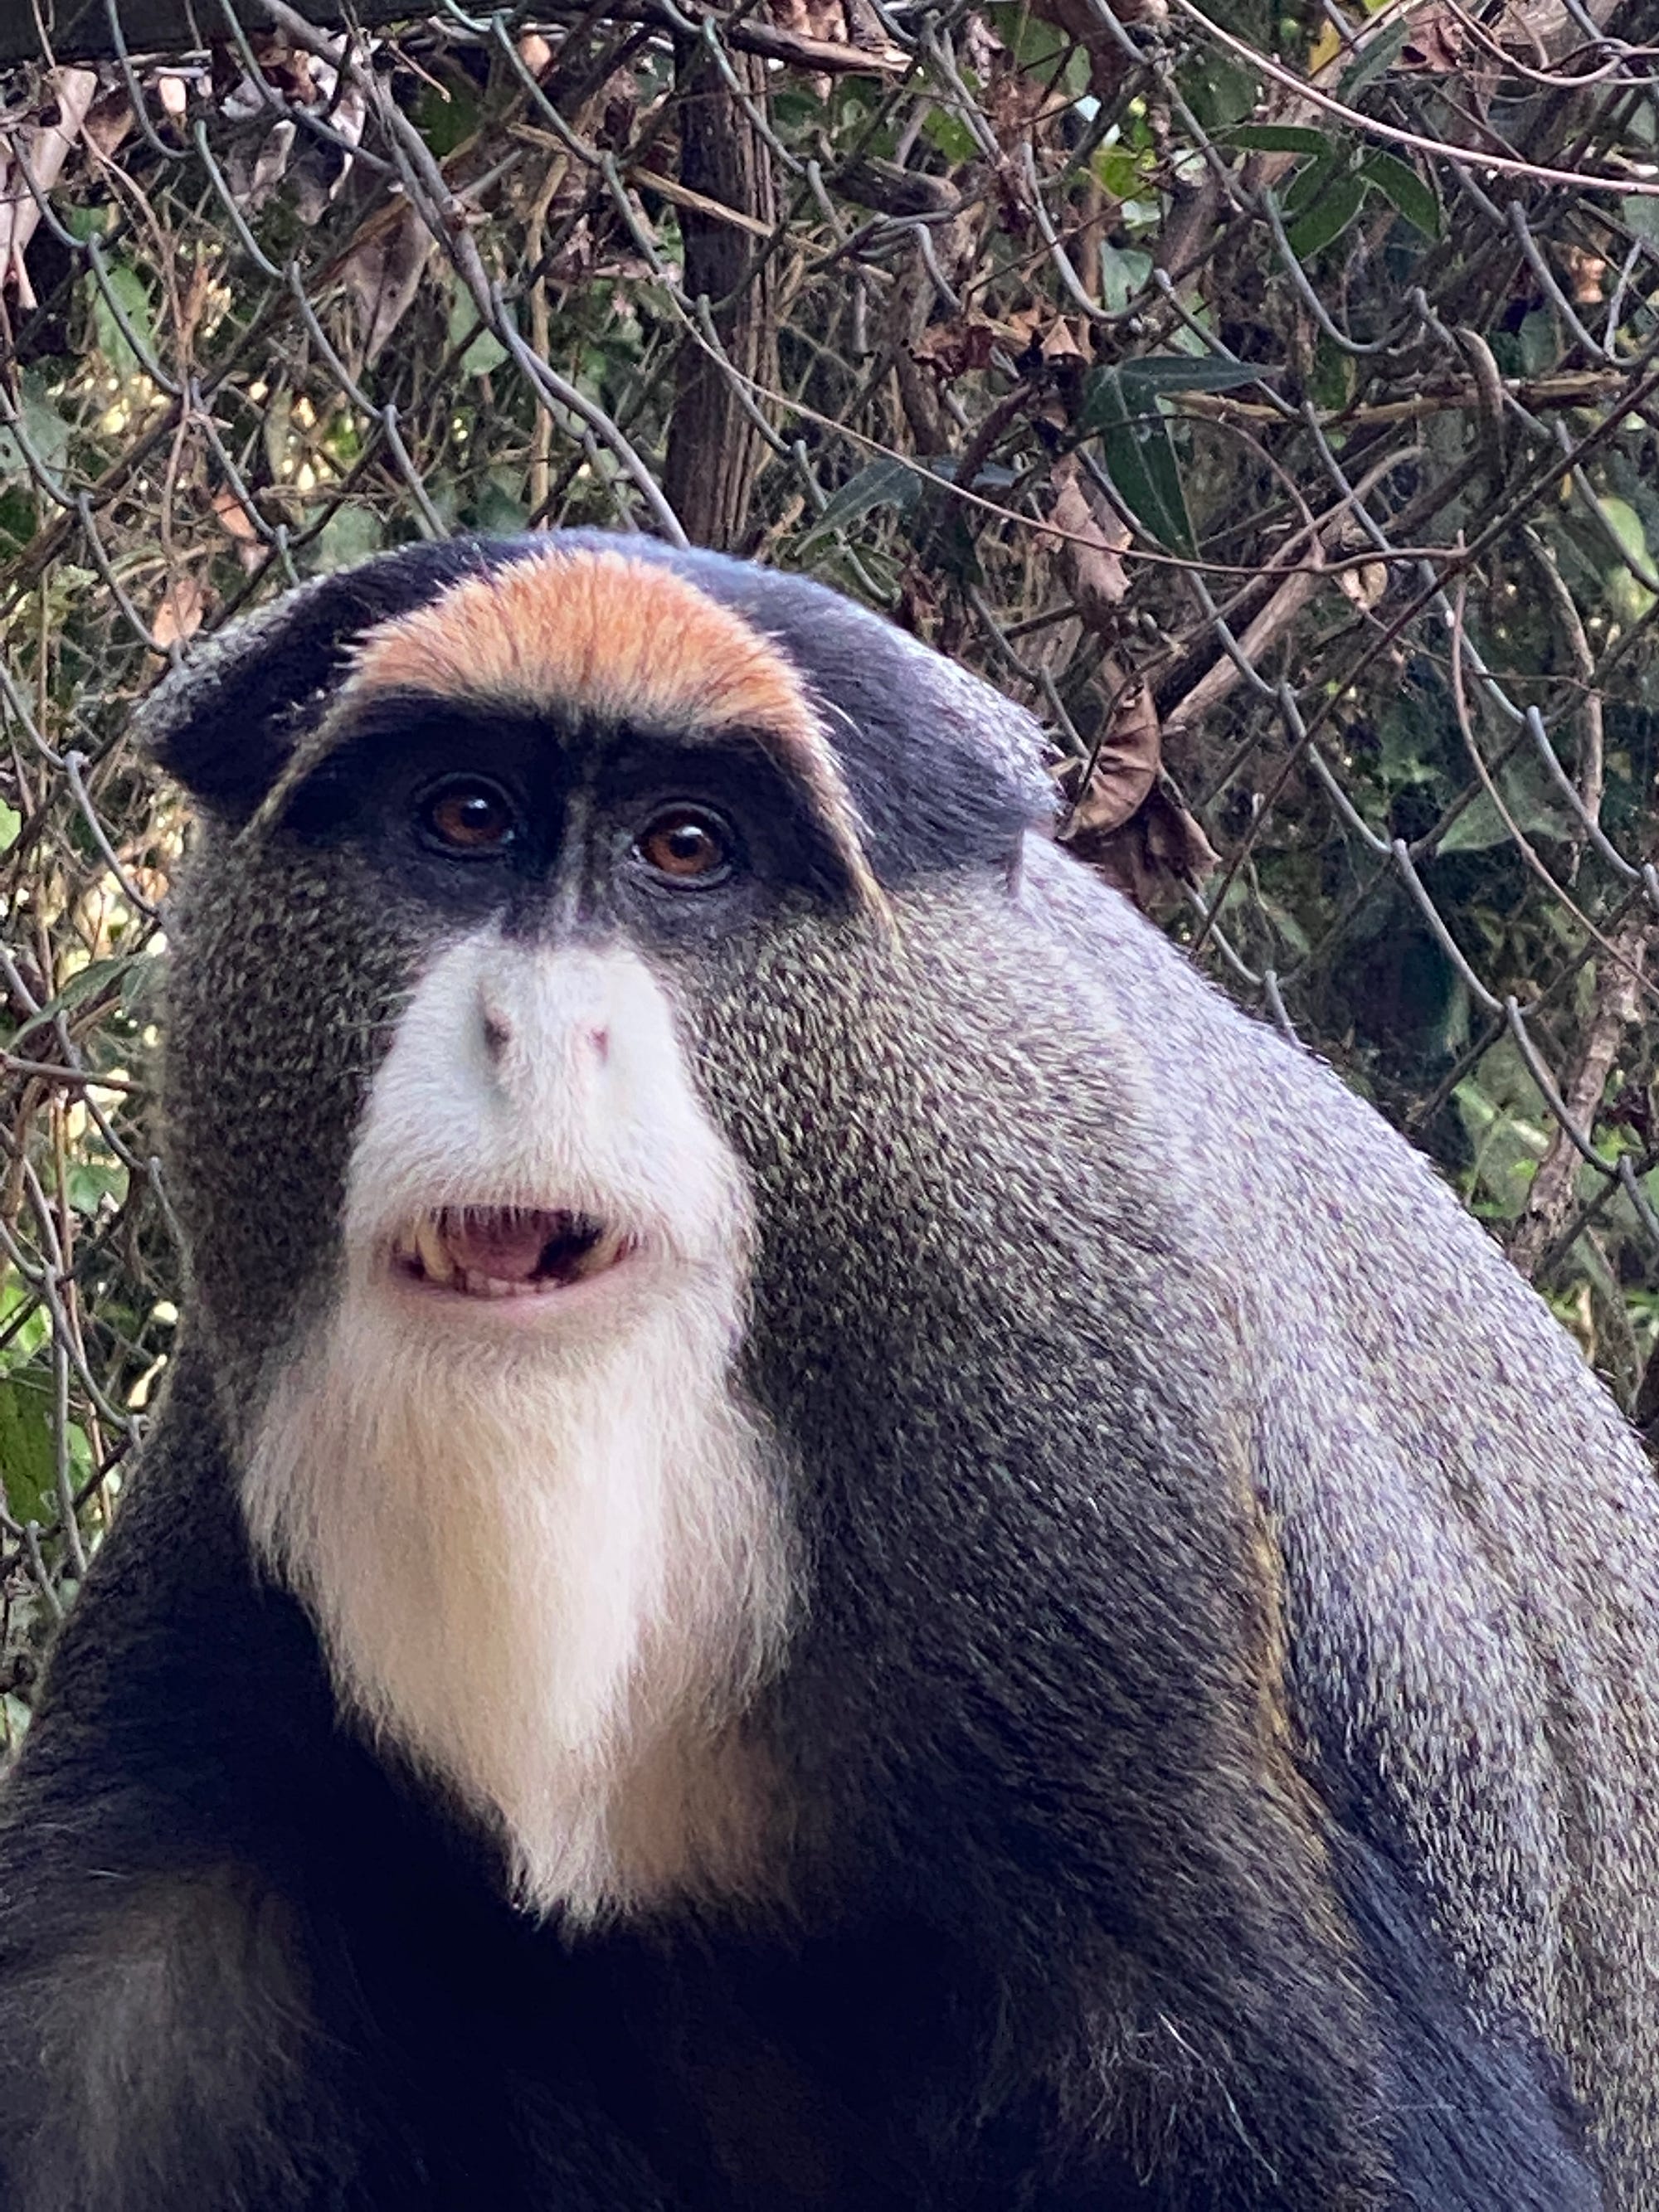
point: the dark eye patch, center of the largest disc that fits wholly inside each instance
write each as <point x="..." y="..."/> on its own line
<point x="654" y="795"/>
<point x="482" y="812"/>
<point x="454" y="811"/>
<point x="401" y="756"/>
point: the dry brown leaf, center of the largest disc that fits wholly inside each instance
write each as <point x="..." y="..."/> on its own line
<point x="41" y="148"/>
<point x="1436" y="41"/>
<point x="109" y="120"/>
<point x="1365" y="586"/>
<point x="382" y="272"/>
<point x="812" y="19"/>
<point x="234" y="520"/>
<point x="233" y="516"/>
<point x="1150" y="856"/>
<point x="1089" y="554"/>
<point x="951" y="349"/>
<point x="1588" y="272"/>
<point x="1059" y="342"/>
<point x="180" y="611"/>
<point x="1126" y="765"/>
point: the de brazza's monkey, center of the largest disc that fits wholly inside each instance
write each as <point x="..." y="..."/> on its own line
<point x="822" y="1540"/>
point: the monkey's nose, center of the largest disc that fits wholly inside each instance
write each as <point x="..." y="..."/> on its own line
<point x="586" y="1040"/>
<point x="497" y="1030"/>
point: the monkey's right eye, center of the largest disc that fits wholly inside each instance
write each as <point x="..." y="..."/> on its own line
<point x="467" y="815"/>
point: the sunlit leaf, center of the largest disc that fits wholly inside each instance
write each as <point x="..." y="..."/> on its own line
<point x="123" y="290"/>
<point x="28" y="1465"/>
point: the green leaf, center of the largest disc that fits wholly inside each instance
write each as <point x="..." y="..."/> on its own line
<point x="795" y="106"/>
<point x="447" y="115"/>
<point x="1279" y="139"/>
<point x="1119" y="170"/>
<point x="1124" y="272"/>
<point x="10" y="823"/>
<point x="1329" y="218"/>
<point x="1162" y="372"/>
<point x="1139" y="455"/>
<point x="1532" y="800"/>
<point x="90" y="1181"/>
<point x="84" y="223"/>
<point x="88" y="983"/>
<point x="1309" y="185"/>
<point x="1506" y="1147"/>
<point x="1630" y="596"/>
<point x="883" y="483"/>
<point x="1219" y="90"/>
<point x="123" y="288"/>
<point x="1334" y="376"/>
<point x="501" y="506"/>
<point x="486" y="352"/>
<point x="43" y="428"/>
<point x="949" y="135"/>
<point x="1538" y="350"/>
<point x="350" y="534"/>
<point x="28" y="1464"/>
<point x="1404" y="189"/>
<point x="1034" y="44"/>
<point x="17" y="519"/>
<point x="1380" y="53"/>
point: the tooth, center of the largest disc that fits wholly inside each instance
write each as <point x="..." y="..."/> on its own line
<point x="600" y="1256"/>
<point x="434" y="1252"/>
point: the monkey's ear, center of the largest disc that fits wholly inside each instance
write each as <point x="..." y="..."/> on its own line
<point x="226" y="722"/>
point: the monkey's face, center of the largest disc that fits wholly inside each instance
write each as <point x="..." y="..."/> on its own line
<point x="471" y="1215"/>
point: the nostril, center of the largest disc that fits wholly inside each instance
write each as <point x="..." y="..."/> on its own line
<point x="497" y="1032"/>
<point x="598" y="1042"/>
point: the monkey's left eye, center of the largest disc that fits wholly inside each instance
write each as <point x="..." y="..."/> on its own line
<point x="468" y="815"/>
<point x="686" y="845"/>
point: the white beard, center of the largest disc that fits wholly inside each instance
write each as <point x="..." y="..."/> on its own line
<point x="549" y="1567"/>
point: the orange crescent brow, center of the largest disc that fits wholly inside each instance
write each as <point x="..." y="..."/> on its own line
<point x="608" y="634"/>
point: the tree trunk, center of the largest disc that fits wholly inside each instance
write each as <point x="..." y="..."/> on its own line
<point x="714" y="450"/>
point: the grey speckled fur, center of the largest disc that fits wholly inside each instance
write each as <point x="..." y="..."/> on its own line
<point x="1470" y="1531"/>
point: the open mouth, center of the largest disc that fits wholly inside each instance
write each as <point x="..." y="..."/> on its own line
<point x="507" y="1251"/>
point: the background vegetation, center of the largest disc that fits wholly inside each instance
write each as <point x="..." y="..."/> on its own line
<point x="1269" y="397"/>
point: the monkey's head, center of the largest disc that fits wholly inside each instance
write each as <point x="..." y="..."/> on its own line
<point x="539" y="889"/>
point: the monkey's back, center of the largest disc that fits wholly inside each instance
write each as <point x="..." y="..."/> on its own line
<point x="1468" y="1534"/>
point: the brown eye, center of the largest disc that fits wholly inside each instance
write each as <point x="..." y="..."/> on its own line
<point x="684" y="845"/>
<point x="472" y="816"/>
